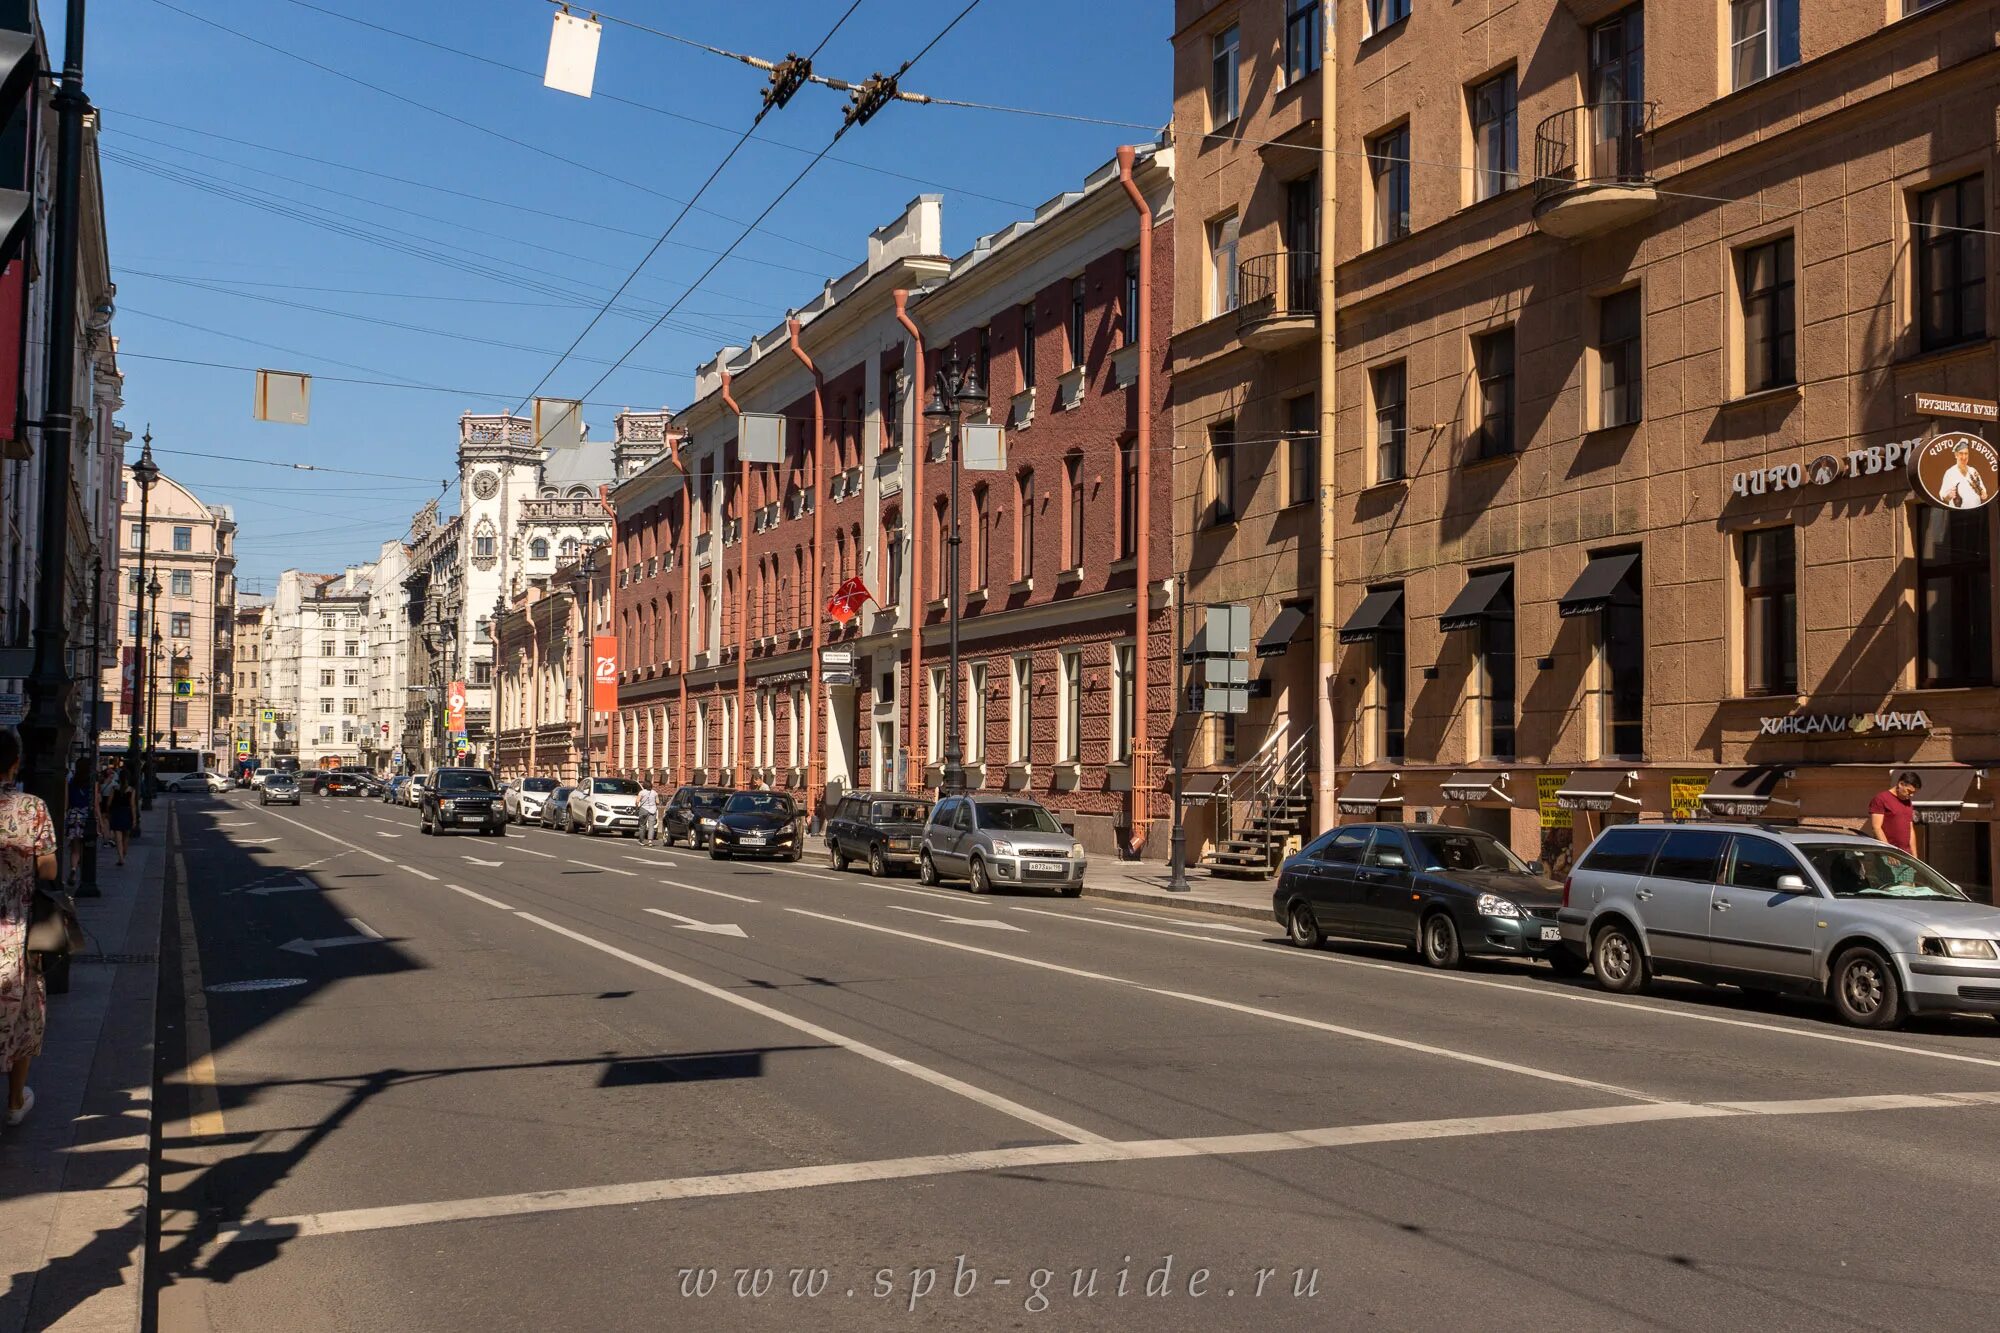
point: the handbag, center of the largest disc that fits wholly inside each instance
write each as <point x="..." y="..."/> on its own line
<point x="53" y="928"/>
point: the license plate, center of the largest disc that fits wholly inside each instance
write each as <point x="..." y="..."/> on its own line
<point x="1047" y="867"/>
<point x="753" y="837"/>
<point x="1552" y="932"/>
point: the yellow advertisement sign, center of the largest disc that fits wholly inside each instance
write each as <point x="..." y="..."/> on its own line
<point x="1546" y="787"/>
<point x="1684" y="795"/>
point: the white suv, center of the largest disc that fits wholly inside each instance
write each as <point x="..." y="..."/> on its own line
<point x="604" y="805"/>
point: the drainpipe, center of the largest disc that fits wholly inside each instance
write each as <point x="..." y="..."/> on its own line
<point x="687" y="602"/>
<point x="534" y="709"/>
<point x="1326" y="643"/>
<point x="742" y="587"/>
<point x="813" y="704"/>
<point x="913" y="526"/>
<point x="1142" y="612"/>
<point x="617" y="719"/>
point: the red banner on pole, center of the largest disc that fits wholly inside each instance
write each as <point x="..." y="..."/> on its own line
<point x="847" y="600"/>
<point x="454" y="708"/>
<point x="128" y="679"/>
<point x="604" y="673"/>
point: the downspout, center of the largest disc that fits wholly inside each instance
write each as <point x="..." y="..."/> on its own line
<point x="534" y="709"/>
<point x="617" y="718"/>
<point x="814" y="708"/>
<point x="913" y="525"/>
<point x="1142" y="604"/>
<point x="687" y="602"/>
<point x="1327" y="630"/>
<point x="742" y="589"/>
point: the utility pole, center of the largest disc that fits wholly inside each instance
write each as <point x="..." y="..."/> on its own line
<point x="955" y="393"/>
<point x="86" y="870"/>
<point x="147" y="774"/>
<point x="48" y="741"/>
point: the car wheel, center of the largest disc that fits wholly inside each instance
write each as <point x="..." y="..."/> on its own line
<point x="1072" y="891"/>
<point x="1566" y="964"/>
<point x="878" y="865"/>
<point x="978" y="876"/>
<point x="1441" y="946"/>
<point x="798" y="851"/>
<point x="500" y="832"/>
<point x="926" y="868"/>
<point x="1865" y="989"/>
<point x="1303" y="927"/>
<point x="1616" y="958"/>
<point x="839" y="858"/>
<point x="715" y="853"/>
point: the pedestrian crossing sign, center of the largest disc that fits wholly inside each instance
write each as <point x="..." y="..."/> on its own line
<point x="183" y="689"/>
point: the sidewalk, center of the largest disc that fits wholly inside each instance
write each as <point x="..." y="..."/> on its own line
<point x="74" y="1178"/>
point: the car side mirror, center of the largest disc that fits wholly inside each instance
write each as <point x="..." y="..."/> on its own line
<point x="1793" y="884"/>
<point x="1392" y="860"/>
<point x="1540" y="869"/>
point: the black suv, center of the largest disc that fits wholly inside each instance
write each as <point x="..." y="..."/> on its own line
<point x="341" y="782"/>
<point x="685" y="812"/>
<point x="882" y="828"/>
<point x="463" y="798"/>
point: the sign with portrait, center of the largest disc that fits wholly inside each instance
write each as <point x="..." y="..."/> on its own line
<point x="1956" y="470"/>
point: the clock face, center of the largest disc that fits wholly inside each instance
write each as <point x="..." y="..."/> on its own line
<point x="485" y="485"/>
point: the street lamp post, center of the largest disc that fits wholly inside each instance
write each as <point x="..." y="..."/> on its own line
<point x="145" y="473"/>
<point x="587" y="656"/>
<point x="955" y="393"/>
<point x="1177" y="739"/>
<point x="147" y="771"/>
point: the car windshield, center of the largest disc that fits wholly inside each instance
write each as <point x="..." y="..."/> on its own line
<point x="281" y="780"/>
<point x="538" y="784"/>
<point x="1862" y="870"/>
<point x="466" y="780"/>
<point x="1020" y="818"/>
<point x="758" y="803"/>
<point x="708" y="798"/>
<point x="1459" y="850"/>
<point x="898" y="812"/>
<point x="614" y="786"/>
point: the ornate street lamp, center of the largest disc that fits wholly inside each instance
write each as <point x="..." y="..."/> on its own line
<point x="955" y="394"/>
<point x="145" y="473"/>
<point x="146" y="769"/>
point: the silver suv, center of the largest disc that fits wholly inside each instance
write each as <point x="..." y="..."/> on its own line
<point x="1782" y="909"/>
<point x="996" y="839"/>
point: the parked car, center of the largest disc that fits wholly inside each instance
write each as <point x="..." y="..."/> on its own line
<point x="261" y="776"/>
<point x="999" y="839"/>
<point x="392" y="790"/>
<point x="879" y="828"/>
<point x="279" y="789"/>
<point x="202" y="780"/>
<point x="463" y="798"/>
<point x="1782" y="910"/>
<point x="690" y="813"/>
<point x="526" y="797"/>
<point x="556" y="807"/>
<point x="603" y="805"/>
<point x="757" y="823"/>
<point x="1449" y="893"/>
<point x="413" y="792"/>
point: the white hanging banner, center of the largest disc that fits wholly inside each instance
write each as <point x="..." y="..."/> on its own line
<point x="283" y="396"/>
<point x="573" y="54"/>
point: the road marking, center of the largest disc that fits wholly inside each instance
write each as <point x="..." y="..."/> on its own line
<point x="296" y="886"/>
<point x="489" y="864"/>
<point x="363" y="934"/>
<point x="479" y="897"/>
<point x="382" y="820"/>
<point x="1167" y="921"/>
<point x="737" y="897"/>
<point x="612" y="870"/>
<point x="1297" y="1020"/>
<point x="352" y="847"/>
<point x="420" y="874"/>
<point x="706" y="927"/>
<point x="380" y="834"/>
<point x="805" y="874"/>
<point x="546" y="856"/>
<point x="991" y="1100"/>
<point x="204" y="1101"/>
<point x="987" y="922"/>
<point x="738" y="1183"/>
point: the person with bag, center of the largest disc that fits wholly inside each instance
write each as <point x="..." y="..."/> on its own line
<point x="121" y="812"/>
<point x="80" y="815"/>
<point x="27" y="857"/>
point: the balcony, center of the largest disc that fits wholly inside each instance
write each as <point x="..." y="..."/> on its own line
<point x="1278" y="298"/>
<point x="1591" y="174"/>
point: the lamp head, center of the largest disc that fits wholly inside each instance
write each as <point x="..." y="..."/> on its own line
<point x="146" y="471"/>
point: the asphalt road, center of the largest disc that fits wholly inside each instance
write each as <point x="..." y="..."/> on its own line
<point x="551" y="1081"/>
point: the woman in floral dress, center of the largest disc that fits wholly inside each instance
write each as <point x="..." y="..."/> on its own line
<point x="27" y="853"/>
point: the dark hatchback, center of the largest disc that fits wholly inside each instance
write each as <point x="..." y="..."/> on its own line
<point x="463" y="798"/>
<point x="879" y="828"/>
<point x="341" y="782"/>
<point x="1449" y="893"/>
<point x="757" y="823"/>
<point x="689" y="812"/>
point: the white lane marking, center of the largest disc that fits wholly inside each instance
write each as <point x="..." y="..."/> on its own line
<point x="705" y="927"/>
<point x="736" y="1183"/>
<point x="479" y="897"/>
<point x="296" y="886"/>
<point x="927" y="893"/>
<point x="651" y="860"/>
<point x="363" y="934"/>
<point x="330" y="837"/>
<point x="985" y="921"/>
<point x="362" y="927"/>
<point x="488" y="864"/>
<point x="614" y="870"/>
<point x="241" y="823"/>
<point x="804" y="874"/>
<point x="991" y="1100"/>
<point x="420" y="874"/>
<point x="546" y="856"/>
<point x="1170" y="921"/>
<point x="380" y="834"/>
<point x="736" y="897"/>
<point x="380" y="820"/>
<point x="1297" y="1020"/>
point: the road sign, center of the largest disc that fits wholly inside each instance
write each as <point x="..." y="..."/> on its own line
<point x="183" y="688"/>
<point x="267" y="715"/>
<point x="399" y="754"/>
<point x="833" y="658"/>
<point x="13" y="708"/>
<point x="243" y="749"/>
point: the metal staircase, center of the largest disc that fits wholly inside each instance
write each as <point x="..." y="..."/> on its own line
<point x="1262" y="806"/>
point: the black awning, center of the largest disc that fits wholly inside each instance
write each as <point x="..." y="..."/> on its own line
<point x="19" y="63"/>
<point x="1746" y="792"/>
<point x="1377" y="610"/>
<point x="1475" y="600"/>
<point x="1203" y="786"/>
<point x="1947" y="793"/>
<point x="1600" y="578"/>
<point x="1367" y="792"/>
<point x="1284" y="627"/>
<point x="1488" y="788"/>
<point x="1598" y="789"/>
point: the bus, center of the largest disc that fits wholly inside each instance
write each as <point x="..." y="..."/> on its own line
<point x="167" y="762"/>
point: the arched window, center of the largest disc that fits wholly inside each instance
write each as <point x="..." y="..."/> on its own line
<point x="569" y="548"/>
<point x="854" y="540"/>
<point x="538" y="549"/>
<point x="799" y="589"/>
<point x="891" y="591"/>
<point x="839" y="557"/>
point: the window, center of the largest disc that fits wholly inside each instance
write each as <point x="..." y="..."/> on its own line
<point x="538" y="549"/>
<point x="1076" y="330"/>
<point x="1495" y="137"/>
<point x="892" y="547"/>
<point x="1389" y="171"/>
<point x="326" y="678"/>
<point x="178" y="714"/>
<point x="180" y="624"/>
<point x="328" y="620"/>
<point x="1301" y="449"/>
<point x="1222" y="472"/>
<point x="1391" y="703"/>
<point x="1954" y="596"/>
<point x="983" y="355"/>
<point x="183" y="539"/>
<point x="1494" y="356"/>
<point x="1951" y="263"/>
<point x="1386" y="13"/>
<point x="138" y="534"/>
<point x="569" y="547"/>
<point x="1069" y="736"/>
<point x="1124" y="697"/>
<point x="1024" y="525"/>
<point x="353" y="648"/>
<point x="1128" y="499"/>
<point x="1021" y="711"/>
<point x="1770" y="611"/>
<point x="326" y="706"/>
<point x="1128" y="309"/>
<point x="326" y="647"/>
<point x="350" y="705"/>
<point x="1073" y="470"/>
<point x="982" y="541"/>
<point x="1763" y="39"/>
<point x="1770" y="344"/>
<point x="975" y="713"/>
<point x="131" y="624"/>
<point x="1757" y="863"/>
<point x="1223" y="92"/>
<point x="183" y="583"/>
<point x="1620" y="379"/>
<point x="1028" y="345"/>
<point x="1390" y="387"/>
<point x="1621" y="669"/>
<point x="940" y="552"/>
<point x="1624" y="851"/>
<point x="936" y="711"/>
<point x="1301" y="39"/>
<point x="1222" y="235"/>
<point x="1496" y="675"/>
<point x="349" y="679"/>
<point x="1693" y="855"/>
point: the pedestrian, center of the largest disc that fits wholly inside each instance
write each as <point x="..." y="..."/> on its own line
<point x="1892" y="817"/>
<point x="79" y="814"/>
<point x="107" y="783"/>
<point x="27" y="855"/>
<point x="649" y="815"/>
<point x="121" y="813"/>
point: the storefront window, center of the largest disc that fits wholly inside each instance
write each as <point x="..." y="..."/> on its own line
<point x="1770" y="612"/>
<point x="1962" y="853"/>
<point x="1954" y="597"/>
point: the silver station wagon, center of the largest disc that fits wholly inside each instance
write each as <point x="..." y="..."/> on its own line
<point x="1782" y="909"/>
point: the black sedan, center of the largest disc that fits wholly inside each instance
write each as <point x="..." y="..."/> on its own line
<point x="757" y="823"/>
<point x="690" y="812"/>
<point x="1449" y="893"/>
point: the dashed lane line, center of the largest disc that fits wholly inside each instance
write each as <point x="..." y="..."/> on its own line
<point x="734" y="897"/>
<point x="611" y="870"/>
<point x="480" y="897"/>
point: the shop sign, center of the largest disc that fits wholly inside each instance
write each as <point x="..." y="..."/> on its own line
<point x="1684" y="795"/>
<point x="1843" y="724"/>
<point x="1826" y="469"/>
<point x="1546" y="787"/>
<point x="1956" y="470"/>
<point x="1943" y="405"/>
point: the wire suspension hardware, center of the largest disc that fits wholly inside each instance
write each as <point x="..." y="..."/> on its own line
<point x="787" y="77"/>
<point x="869" y="96"/>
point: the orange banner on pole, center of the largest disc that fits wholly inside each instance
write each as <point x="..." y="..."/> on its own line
<point x="604" y="674"/>
<point x="454" y="708"/>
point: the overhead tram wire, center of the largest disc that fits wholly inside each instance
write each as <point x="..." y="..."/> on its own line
<point x="490" y="394"/>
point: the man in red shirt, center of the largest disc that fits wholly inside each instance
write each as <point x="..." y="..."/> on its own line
<point x="1891" y="817"/>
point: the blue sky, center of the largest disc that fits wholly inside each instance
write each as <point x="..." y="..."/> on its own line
<point x="492" y="255"/>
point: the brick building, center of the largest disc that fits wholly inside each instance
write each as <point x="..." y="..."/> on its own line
<point x="540" y="674"/>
